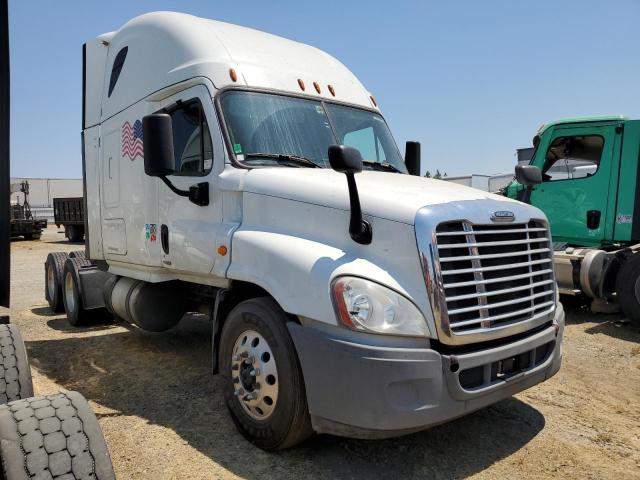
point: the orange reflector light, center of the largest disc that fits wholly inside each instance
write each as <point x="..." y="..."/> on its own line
<point x="373" y="100"/>
<point x="301" y="83"/>
<point x="317" y="86"/>
<point x="233" y="75"/>
<point x="331" y="90"/>
<point x="222" y="250"/>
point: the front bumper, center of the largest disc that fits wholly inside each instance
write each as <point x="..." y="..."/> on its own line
<point x="363" y="391"/>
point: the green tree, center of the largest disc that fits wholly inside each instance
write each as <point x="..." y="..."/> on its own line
<point x="438" y="175"/>
<point x="428" y="174"/>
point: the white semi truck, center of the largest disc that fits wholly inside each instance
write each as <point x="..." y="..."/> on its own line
<point x="237" y="173"/>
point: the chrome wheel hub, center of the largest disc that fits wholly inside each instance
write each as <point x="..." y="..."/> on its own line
<point x="51" y="280"/>
<point x="68" y="292"/>
<point x="254" y="375"/>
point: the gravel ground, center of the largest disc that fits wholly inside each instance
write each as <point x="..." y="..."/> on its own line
<point x="163" y="415"/>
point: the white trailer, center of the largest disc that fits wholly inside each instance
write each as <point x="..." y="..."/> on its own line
<point x="220" y="176"/>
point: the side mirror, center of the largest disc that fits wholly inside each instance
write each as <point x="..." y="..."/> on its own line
<point x="345" y="159"/>
<point x="348" y="160"/>
<point x="412" y="158"/>
<point x="528" y="175"/>
<point x="157" y="140"/>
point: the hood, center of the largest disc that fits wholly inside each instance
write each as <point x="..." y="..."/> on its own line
<point x="382" y="194"/>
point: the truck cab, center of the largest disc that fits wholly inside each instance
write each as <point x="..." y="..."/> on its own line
<point x="254" y="178"/>
<point x="588" y="188"/>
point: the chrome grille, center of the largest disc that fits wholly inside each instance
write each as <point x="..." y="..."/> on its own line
<point x="494" y="275"/>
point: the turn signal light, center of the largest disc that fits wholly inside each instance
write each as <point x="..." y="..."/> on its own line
<point x="222" y="250"/>
<point x="301" y="84"/>
<point x="233" y="75"/>
<point x="373" y="100"/>
<point x="331" y="90"/>
<point x="317" y="86"/>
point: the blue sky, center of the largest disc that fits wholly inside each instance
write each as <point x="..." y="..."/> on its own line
<point x="471" y="80"/>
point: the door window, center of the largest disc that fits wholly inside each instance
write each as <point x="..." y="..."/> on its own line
<point x="193" y="151"/>
<point x="572" y="157"/>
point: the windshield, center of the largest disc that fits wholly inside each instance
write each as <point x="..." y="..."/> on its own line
<point x="263" y="124"/>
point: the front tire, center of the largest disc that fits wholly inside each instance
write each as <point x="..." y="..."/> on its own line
<point x="264" y="387"/>
<point x="628" y="288"/>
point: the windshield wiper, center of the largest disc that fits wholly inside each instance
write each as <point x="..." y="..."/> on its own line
<point x="280" y="157"/>
<point x="381" y="166"/>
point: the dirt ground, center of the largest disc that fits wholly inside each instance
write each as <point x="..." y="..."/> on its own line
<point x="163" y="415"/>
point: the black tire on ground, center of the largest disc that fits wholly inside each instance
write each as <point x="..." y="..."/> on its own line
<point x="52" y="436"/>
<point x="75" y="233"/>
<point x="53" y="272"/>
<point x="15" y="372"/>
<point x="289" y="423"/>
<point x="77" y="254"/>
<point x="628" y="288"/>
<point x="71" y="294"/>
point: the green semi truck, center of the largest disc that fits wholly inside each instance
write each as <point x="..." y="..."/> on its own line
<point x="585" y="176"/>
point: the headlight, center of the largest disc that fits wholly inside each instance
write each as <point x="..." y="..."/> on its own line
<point x="370" y="307"/>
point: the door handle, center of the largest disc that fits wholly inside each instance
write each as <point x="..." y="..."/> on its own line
<point x="593" y="219"/>
<point x="164" y="238"/>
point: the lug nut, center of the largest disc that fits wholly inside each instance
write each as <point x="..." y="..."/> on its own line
<point x="238" y="392"/>
<point x="235" y="366"/>
<point x="250" y="396"/>
<point x="236" y="358"/>
<point x="256" y="386"/>
<point x="255" y="372"/>
<point x="244" y="354"/>
<point x="252" y="360"/>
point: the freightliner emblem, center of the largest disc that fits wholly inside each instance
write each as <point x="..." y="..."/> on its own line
<point x="503" y="216"/>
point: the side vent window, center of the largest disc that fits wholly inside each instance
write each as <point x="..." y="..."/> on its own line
<point x="117" y="68"/>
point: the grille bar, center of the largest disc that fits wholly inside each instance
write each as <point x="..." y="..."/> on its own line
<point x="494" y="255"/>
<point x="493" y="276"/>
<point x="495" y="244"/>
<point x="496" y="267"/>
<point x="495" y="280"/>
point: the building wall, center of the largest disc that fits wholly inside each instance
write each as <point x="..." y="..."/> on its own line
<point x="42" y="191"/>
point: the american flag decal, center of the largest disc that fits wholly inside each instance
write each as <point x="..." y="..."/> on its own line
<point x="132" y="140"/>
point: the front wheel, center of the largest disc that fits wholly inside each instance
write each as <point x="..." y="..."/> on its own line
<point x="264" y="388"/>
<point x="628" y="288"/>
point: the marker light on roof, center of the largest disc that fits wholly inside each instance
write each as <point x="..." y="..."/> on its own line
<point x="317" y="86"/>
<point x="331" y="90"/>
<point x="301" y="83"/>
<point x="373" y="100"/>
<point x="233" y="75"/>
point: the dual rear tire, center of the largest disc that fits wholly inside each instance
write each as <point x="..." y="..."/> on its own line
<point x="628" y="288"/>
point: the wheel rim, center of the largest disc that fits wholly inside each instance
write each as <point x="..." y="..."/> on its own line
<point x="637" y="289"/>
<point x="68" y="293"/>
<point x="255" y="375"/>
<point x="51" y="280"/>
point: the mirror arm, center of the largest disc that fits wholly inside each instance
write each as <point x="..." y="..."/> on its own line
<point x="198" y="194"/>
<point x="359" y="229"/>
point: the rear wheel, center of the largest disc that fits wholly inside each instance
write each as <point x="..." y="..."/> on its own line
<point x="264" y="388"/>
<point x="72" y="296"/>
<point x="52" y="436"/>
<point x="53" y="272"/>
<point x="75" y="233"/>
<point x="628" y="288"/>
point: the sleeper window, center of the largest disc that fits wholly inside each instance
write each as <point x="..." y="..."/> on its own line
<point x="118" y="63"/>
<point x="193" y="150"/>
<point x="572" y="157"/>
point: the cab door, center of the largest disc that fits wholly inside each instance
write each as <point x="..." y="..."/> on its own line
<point x="186" y="231"/>
<point x="577" y="166"/>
